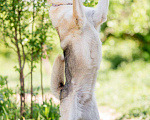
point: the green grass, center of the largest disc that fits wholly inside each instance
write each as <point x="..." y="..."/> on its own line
<point x="7" y="69"/>
<point x="124" y="79"/>
<point x="126" y="89"/>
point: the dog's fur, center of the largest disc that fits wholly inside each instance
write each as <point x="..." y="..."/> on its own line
<point x="78" y="29"/>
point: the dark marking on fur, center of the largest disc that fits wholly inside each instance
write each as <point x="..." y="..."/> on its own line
<point x="64" y="92"/>
<point x="84" y="98"/>
<point x="69" y="66"/>
<point x="61" y="85"/>
<point x="67" y="57"/>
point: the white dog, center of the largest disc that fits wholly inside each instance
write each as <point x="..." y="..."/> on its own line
<point x="78" y="29"/>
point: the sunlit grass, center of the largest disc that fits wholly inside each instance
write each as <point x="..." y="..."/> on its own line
<point x="7" y="69"/>
<point x="127" y="87"/>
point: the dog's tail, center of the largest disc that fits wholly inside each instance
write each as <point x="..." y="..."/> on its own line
<point x="57" y="78"/>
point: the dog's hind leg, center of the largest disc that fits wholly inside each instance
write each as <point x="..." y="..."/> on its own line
<point x="70" y="109"/>
<point x="57" y="77"/>
<point x="90" y="110"/>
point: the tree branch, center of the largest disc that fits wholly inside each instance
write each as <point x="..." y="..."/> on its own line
<point x="4" y="39"/>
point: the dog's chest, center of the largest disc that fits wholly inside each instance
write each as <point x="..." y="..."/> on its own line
<point x="88" y="49"/>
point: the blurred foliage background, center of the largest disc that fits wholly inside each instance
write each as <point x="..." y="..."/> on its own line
<point x="123" y="82"/>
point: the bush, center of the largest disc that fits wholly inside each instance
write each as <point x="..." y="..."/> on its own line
<point x="47" y="111"/>
<point x="142" y="112"/>
<point x="10" y="109"/>
<point x="5" y="94"/>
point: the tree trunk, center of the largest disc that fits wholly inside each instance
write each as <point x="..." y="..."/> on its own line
<point x="31" y="83"/>
<point x="21" y="68"/>
<point x="22" y="94"/>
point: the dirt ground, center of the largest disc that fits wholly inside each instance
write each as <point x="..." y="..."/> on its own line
<point x="107" y="113"/>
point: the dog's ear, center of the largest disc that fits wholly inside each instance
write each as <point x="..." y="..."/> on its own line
<point x="100" y="15"/>
<point x="78" y="12"/>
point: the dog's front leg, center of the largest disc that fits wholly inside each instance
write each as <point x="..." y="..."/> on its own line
<point x="78" y="12"/>
<point x="100" y="15"/>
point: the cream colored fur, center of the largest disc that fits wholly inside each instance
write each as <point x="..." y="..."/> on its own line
<point x="57" y="78"/>
<point x="78" y="29"/>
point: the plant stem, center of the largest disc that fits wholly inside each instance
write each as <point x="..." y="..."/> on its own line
<point x="32" y="66"/>
<point x="41" y="66"/>
<point x="31" y="84"/>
